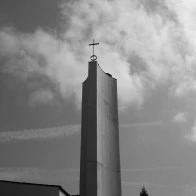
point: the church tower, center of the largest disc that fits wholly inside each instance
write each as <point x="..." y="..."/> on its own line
<point x="100" y="157"/>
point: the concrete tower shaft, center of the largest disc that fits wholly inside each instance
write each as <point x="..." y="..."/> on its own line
<point x="100" y="156"/>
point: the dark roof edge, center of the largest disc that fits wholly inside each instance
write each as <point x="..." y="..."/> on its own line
<point x="29" y="183"/>
<point x="63" y="190"/>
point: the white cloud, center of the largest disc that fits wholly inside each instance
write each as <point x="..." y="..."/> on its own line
<point x="185" y="13"/>
<point x="166" y="46"/>
<point x="47" y="133"/>
<point x="192" y="135"/>
<point x="143" y="124"/>
<point x="180" y="117"/>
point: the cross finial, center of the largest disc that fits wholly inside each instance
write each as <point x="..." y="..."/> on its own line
<point x="93" y="57"/>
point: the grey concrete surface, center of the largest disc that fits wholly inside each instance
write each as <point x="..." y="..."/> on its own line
<point x="100" y="156"/>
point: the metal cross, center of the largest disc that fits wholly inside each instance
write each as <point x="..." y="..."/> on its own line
<point x="94" y="57"/>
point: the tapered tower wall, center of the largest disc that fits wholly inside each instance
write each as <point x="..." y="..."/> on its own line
<point x="100" y="157"/>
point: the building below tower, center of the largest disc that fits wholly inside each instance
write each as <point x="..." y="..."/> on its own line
<point x="11" y="188"/>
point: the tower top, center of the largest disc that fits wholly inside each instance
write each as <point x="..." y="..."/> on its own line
<point x="93" y="57"/>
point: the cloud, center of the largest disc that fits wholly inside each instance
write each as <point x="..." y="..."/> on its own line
<point x="180" y="117"/>
<point x="148" y="184"/>
<point x="39" y="175"/>
<point x="130" y="37"/>
<point x="55" y="132"/>
<point x="43" y="134"/>
<point x="34" y="56"/>
<point x="41" y="96"/>
<point x="190" y="190"/>
<point x="142" y="124"/>
<point x="185" y="13"/>
<point x="150" y="169"/>
<point x="192" y="135"/>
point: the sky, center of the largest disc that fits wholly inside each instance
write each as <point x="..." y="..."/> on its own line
<point x="149" y="46"/>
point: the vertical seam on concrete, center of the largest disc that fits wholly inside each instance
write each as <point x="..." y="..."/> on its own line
<point x="96" y="126"/>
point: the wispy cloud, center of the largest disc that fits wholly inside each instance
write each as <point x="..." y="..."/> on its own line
<point x="41" y="96"/>
<point x="57" y="132"/>
<point x="192" y="135"/>
<point x="143" y="124"/>
<point x="180" y="117"/>
<point x="183" y="190"/>
<point x="150" y="184"/>
<point x="39" y="175"/>
<point x="141" y="183"/>
<point x="150" y="169"/>
<point x="34" y="134"/>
